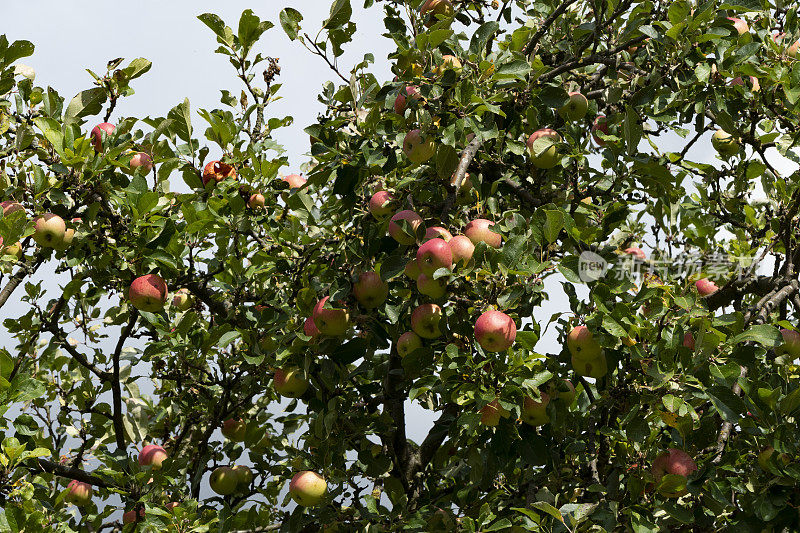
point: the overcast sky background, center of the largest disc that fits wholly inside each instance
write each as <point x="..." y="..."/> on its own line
<point x="78" y="34"/>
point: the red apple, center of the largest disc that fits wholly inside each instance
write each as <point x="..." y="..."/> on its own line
<point x="675" y="462"/>
<point x="133" y="516"/>
<point x="433" y="255"/>
<point x="216" y="171"/>
<point x="49" y="230"/>
<point x="495" y="331"/>
<point x="600" y="124"/>
<point x="688" y="340"/>
<point x="308" y="488"/>
<point x="478" y="231"/>
<point x="310" y="329"/>
<point x="706" y="287"/>
<point x="256" y="201"/>
<point x="234" y="429"/>
<point x="9" y="206"/>
<point x="289" y="382"/>
<point x="381" y="204"/>
<point x="410" y="92"/>
<point x="80" y="493"/>
<point x="407" y="343"/>
<point x="437" y="232"/>
<point x="462" y="249"/>
<point x="638" y="253"/>
<point x="581" y="344"/>
<point x="148" y="293"/>
<point x="418" y="147"/>
<point x="370" y="290"/>
<point x="547" y="157"/>
<point x="141" y="160"/>
<point x="425" y="321"/>
<point x="295" y="181"/>
<point x="332" y="321"/>
<point x="491" y="413"/>
<point x="740" y="25"/>
<point x="97" y="134"/>
<point x="397" y="232"/>
<point x="754" y="85"/>
<point x="431" y="10"/>
<point x="152" y="455"/>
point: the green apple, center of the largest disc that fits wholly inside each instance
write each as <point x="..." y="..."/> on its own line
<point x="575" y="108"/>
<point x="492" y="412"/>
<point x="534" y="412"/>
<point x="49" y="230"/>
<point x="581" y="344"/>
<point x="289" y="382"/>
<point x="593" y="368"/>
<point x="542" y="147"/>
<point x="724" y="143"/>
<point x="308" y="488"/>
<point x="224" y="480"/>
<point x="182" y="300"/>
<point x="425" y="321"/>
<point x="244" y="477"/>
<point x="234" y="429"/>
<point x="332" y="321"/>
<point x="433" y="288"/>
<point x="418" y="147"/>
<point x="407" y="343"/>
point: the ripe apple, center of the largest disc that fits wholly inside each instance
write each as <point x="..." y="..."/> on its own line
<point x="397" y="232"/>
<point x="433" y="288"/>
<point x="370" y="290"/>
<point x="224" y="480"/>
<point x="9" y="206"/>
<point x="478" y="231"/>
<point x="182" y="300"/>
<point x="332" y="321"/>
<point x="593" y="368"/>
<point x="675" y="462"/>
<point x="549" y="157"/>
<point x="289" y="382"/>
<point x="97" y="134"/>
<point x="433" y="255"/>
<point x="216" y="171"/>
<point x="461" y="248"/>
<point x="381" y="204"/>
<point x="495" y="331"/>
<point x="308" y="488"/>
<point x="406" y="94"/>
<point x="492" y="412"/>
<point x="754" y="85"/>
<point x="638" y="253"/>
<point x="705" y="287"/>
<point x="295" y="181"/>
<point x="575" y="108"/>
<point x="141" y="160"/>
<point x="133" y="516"/>
<point x="80" y="493"/>
<point x="412" y="270"/>
<point x="256" y="201"/>
<point x="12" y="249"/>
<point x="581" y="344"/>
<point x="245" y="476"/>
<point x="310" y="329"/>
<point x="724" y="143"/>
<point x="600" y="124"/>
<point x="152" y="455"/>
<point x="791" y="344"/>
<point x="418" y="147"/>
<point x="148" y="293"/>
<point x="234" y="429"/>
<point x="425" y="321"/>
<point x="437" y="232"/>
<point x="688" y="340"/>
<point x="740" y="25"/>
<point x="407" y="343"/>
<point x="534" y="412"/>
<point x="431" y="10"/>
<point x="49" y="230"/>
<point x="449" y="62"/>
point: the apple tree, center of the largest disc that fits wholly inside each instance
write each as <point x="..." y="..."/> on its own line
<point x="250" y="352"/>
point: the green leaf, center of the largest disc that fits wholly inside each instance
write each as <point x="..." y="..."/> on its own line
<point x="517" y="69"/>
<point x="727" y="404"/>
<point x="764" y="334"/>
<point x="477" y="45"/>
<point x="85" y="103"/>
<point x="549" y="509"/>
<point x="339" y="16"/>
<point x="181" y="117"/>
<point x="290" y="22"/>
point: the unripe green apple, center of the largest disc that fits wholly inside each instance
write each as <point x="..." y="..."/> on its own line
<point x="244" y="477"/>
<point x="418" y="147"/>
<point x="407" y="343"/>
<point x="495" y="331"/>
<point x="333" y="322"/>
<point x="581" y="344"/>
<point x="425" y="321"/>
<point x="397" y="232"/>
<point x="766" y="454"/>
<point x="370" y="290"/>
<point x="148" y="293"/>
<point x="49" y="230"/>
<point x="224" y="480"/>
<point x="289" y="382"/>
<point x="234" y="429"/>
<point x="433" y="288"/>
<point x="182" y="300"/>
<point x="449" y="62"/>
<point x="308" y="488"/>
<point x="534" y="412"/>
<point x="412" y="270"/>
<point x="724" y="143"/>
<point x="547" y="157"/>
<point x="593" y="368"/>
<point x="575" y="108"/>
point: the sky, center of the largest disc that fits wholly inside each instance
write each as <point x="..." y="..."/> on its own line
<point x="78" y="34"/>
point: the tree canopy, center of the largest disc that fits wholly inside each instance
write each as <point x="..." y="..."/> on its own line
<point x="233" y="344"/>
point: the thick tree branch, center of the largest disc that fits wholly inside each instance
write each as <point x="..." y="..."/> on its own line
<point x="25" y="269"/>
<point x="116" y="387"/>
<point x="43" y="465"/>
<point x="461" y="172"/>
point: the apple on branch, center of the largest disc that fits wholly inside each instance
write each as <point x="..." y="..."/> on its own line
<point x="370" y="290"/>
<point x="224" y="480"/>
<point x="437" y="232"/>
<point x="593" y="368"/>
<point x="601" y="125"/>
<point x="433" y="255"/>
<point x="10" y="206"/>
<point x="148" y="293"/>
<point x="80" y="493"/>
<point x="104" y="129"/>
<point x="133" y="516"/>
<point x="425" y="321"/>
<point x="677" y="463"/>
<point x="381" y="204"/>
<point x="308" y="488"/>
<point x="575" y="108"/>
<point x="289" y="382"/>
<point x="407" y="94"/>
<point x="582" y="345"/>
<point x="492" y="412"/>
<point x="418" y="147"/>
<point x="330" y="321"/>
<point x="401" y="235"/>
<point x="688" y="340"/>
<point x="295" y="181"/>
<point x="724" y="143"/>
<point x="433" y="288"/>
<point x="432" y="10"/>
<point x="791" y="344"/>
<point x="534" y="412"/>
<point x="256" y="201"/>
<point x="310" y="329"/>
<point x="49" y="230"/>
<point x="407" y="343"/>
<point x="141" y="160"/>
<point x="234" y="429"/>
<point x="495" y="331"/>
<point x="152" y="455"/>
<point x="542" y="147"/>
<point x="636" y="252"/>
<point x="412" y="270"/>
<point x="478" y="230"/>
<point x="462" y="249"/>
<point x="705" y="287"/>
<point x="740" y="25"/>
<point x="244" y="477"/>
<point x="182" y="300"/>
<point x="216" y="171"/>
<point x="449" y="62"/>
